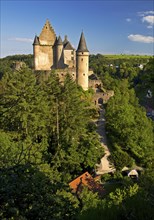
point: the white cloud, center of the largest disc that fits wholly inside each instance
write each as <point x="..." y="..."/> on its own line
<point x="141" y="38"/>
<point x="149" y="19"/>
<point x="144" y="13"/>
<point x="27" y="40"/>
<point x="128" y="19"/>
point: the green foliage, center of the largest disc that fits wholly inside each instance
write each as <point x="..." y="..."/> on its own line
<point x="121" y="194"/>
<point x="105" y="177"/>
<point x="121" y="159"/>
<point x="27" y="193"/>
<point x="110" y="68"/>
<point x="127" y="203"/>
<point x="146" y="82"/>
<point x="88" y="199"/>
<point x="124" y="124"/>
<point x="23" y="115"/>
<point x="47" y="139"/>
<point x="45" y="142"/>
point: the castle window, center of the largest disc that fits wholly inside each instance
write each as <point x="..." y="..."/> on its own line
<point x="81" y="59"/>
<point x="82" y="52"/>
<point x="83" y="74"/>
<point x="72" y="52"/>
<point x="72" y="58"/>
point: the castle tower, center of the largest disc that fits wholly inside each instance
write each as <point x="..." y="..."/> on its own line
<point x="59" y="54"/>
<point x="43" y="48"/>
<point x="82" y="63"/>
<point x="36" y="48"/>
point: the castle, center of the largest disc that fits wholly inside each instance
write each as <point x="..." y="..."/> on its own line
<point x="50" y="52"/>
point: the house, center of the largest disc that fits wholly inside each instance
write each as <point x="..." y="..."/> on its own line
<point x="132" y="172"/>
<point x="86" y="180"/>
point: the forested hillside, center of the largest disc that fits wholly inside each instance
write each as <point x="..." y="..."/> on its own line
<point x="47" y="139"/>
<point x="130" y="131"/>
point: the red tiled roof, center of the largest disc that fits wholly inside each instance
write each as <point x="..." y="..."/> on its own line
<point x="86" y="180"/>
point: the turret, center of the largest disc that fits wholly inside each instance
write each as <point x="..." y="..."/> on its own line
<point x="36" y="48"/>
<point x="59" y="54"/>
<point x="82" y="63"/>
<point x="65" y="40"/>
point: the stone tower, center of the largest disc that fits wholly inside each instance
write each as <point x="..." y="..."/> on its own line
<point x="43" y="48"/>
<point x="82" y="63"/>
<point x="36" y="50"/>
<point x="59" y="54"/>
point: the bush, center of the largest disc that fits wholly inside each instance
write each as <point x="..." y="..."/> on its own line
<point x="121" y="159"/>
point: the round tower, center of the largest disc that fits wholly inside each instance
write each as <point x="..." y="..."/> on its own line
<point x="59" y="53"/>
<point x="36" y="51"/>
<point x="82" y="63"/>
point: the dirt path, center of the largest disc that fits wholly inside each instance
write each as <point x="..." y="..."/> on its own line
<point x="104" y="166"/>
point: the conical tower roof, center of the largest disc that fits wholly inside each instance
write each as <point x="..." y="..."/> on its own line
<point x="82" y="47"/>
<point x="36" y="40"/>
<point x="59" y="41"/>
<point x="65" y="41"/>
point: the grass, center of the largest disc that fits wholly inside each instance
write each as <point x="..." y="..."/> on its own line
<point x="126" y="56"/>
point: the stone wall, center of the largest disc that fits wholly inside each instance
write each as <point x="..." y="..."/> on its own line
<point x="43" y="57"/>
<point x="70" y="58"/>
<point x="102" y="97"/>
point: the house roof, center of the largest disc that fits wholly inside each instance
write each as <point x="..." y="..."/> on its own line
<point x="68" y="46"/>
<point x="86" y="180"/>
<point x="133" y="173"/>
<point x="82" y="47"/>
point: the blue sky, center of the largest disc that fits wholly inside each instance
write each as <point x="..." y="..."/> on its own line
<point x="110" y="27"/>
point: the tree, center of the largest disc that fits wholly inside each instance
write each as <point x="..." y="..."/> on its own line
<point x="23" y="115"/>
<point x="75" y="141"/>
<point x="124" y="124"/>
<point x="28" y="193"/>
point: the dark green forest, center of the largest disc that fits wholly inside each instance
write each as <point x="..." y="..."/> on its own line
<point x="47" y="139"/>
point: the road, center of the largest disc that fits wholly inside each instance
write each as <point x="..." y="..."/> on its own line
<point x="104" y="166"/>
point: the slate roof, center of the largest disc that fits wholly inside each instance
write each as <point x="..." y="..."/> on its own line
<point x="59" y="41"/>
<point x="36" y="40"/>
<point x="68" y="46"/>
<point x="82" y="47"/>
<point x="65" y="41"/>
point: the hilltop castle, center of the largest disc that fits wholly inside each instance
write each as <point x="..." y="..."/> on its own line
<point x="50" y="52"/>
